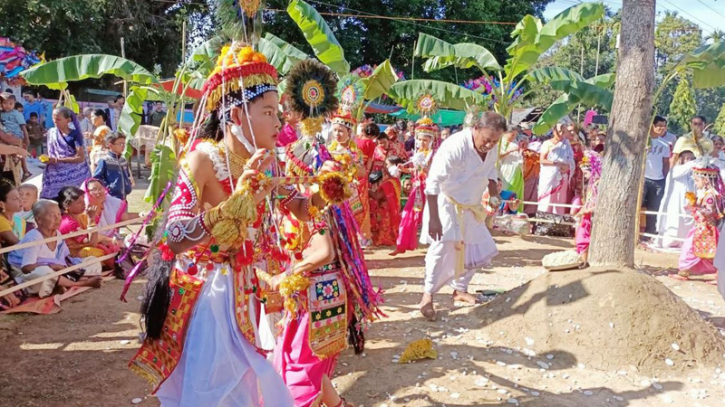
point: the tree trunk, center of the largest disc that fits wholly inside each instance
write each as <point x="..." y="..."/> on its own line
<point x="614" y="223"/>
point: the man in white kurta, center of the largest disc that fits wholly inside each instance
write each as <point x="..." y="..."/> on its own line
<point x="463" y="168"/>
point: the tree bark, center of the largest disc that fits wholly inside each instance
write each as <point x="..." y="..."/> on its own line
<point x="613" y="233"/>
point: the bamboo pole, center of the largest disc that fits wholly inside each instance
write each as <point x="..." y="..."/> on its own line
<point x="69" y="235"/>
<point x="56" y="274"/>
<point x="123" y="55"/>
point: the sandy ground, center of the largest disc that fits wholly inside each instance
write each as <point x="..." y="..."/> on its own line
<point x="78" y="357"/>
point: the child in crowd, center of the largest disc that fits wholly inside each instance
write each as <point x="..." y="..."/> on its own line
<point x="385" y="202"/>
<point x="112" y="169"/>
<point x="14" y="123"/>
<point x="706" y="206"/>
<point x="591" y="166"/>
<point x="28" y="196"/>
<point x="36" y="133"/>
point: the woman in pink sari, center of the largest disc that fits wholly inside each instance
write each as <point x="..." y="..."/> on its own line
<point x="412" y="217"/>
<point x="591" y="166"/>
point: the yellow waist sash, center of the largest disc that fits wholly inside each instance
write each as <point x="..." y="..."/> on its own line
<point x="479" y="213"/>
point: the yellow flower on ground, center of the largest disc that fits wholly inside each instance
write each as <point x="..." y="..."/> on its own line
<point x="420" y="349"/>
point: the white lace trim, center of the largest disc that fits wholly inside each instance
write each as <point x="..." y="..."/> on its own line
<point x="217" y="158"/>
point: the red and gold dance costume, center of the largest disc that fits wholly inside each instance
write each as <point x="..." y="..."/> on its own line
<point x="322" y="303"/>
<point x="242" y="240"/>
<point x="412" y="215"/>
<point x="349" y="156"/>
<point x="385" y="214"/>
<point x="706" y="207"/>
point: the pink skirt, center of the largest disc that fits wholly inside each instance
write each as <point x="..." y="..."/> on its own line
<point x="583" y="234"/>
<point x="690" y="262"/>
<point x="301" y="369"/>
<point x="411" y="219"/>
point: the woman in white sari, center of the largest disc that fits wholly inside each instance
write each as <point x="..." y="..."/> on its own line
<point x="672" y="226"/>
<point x="557" y="165"/>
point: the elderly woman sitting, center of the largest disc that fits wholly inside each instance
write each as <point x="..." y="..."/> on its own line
<point x="45" y="258"/>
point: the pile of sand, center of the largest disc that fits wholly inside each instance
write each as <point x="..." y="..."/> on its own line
<point x="608" y="319"/>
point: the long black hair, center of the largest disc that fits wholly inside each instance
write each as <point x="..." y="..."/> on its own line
<point x="157" y="294"/>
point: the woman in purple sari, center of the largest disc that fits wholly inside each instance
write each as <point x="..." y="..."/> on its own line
<point x="66" y="164"/>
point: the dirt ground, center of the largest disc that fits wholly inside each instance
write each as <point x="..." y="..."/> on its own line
<point x="78" y="357"/>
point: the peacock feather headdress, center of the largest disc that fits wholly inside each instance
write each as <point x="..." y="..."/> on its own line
<point x="311" y="90"/>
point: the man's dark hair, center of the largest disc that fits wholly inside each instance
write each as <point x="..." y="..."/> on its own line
<point x="659" y="119"/>
<point x="704" y="120"/>
<point x="113" y="136"/>
<point x="493" y="121"/>
<point x="402" y="125"/>
<point x="18" y="105"/>
<point x="33" y="114"/>
<point x="8" y="90"/>
<point x="31" y="92"/>
<point x="371" y="130"/>
<point x="118" y="97"/>
<point x="101" y="113"/>
<point x="395" y="160"/>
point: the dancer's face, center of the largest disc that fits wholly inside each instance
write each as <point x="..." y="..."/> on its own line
<point x="700" y="182"/>
<point x="265" y="124"/>
<point x="341" y="133"/>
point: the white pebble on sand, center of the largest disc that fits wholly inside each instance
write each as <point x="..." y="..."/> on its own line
<point x="588" y="393"/>
<point x="669" y="362"/>
<point x="137" y="400"/>
<point x="513" y="401"/>
<point x="455" y="395"/>
<point x="666" y="398"/>
<point x="675" y="346"/>
<point x="550" y="357"/>
<point x="543" y="365"/>
<point x="535" y="393"/>
<point x="657" y="386"/>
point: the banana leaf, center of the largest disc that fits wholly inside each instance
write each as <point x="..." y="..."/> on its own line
<point x="277" y="56"/>
<point x="319" y="36"/>
<point x="599" y="82"/>
<point x="380" y="81"/>
<point x="707" y="65"/>
<point x="531" y="39"/>
<point x="208" y="50"/>
<point x="55" y="74"/>
<point x="133" y="111"/>
<point x="288" y="48"/>
<point x="592" y="92"/>
<point x="560" y="108"/>
<point x="553" y="73"/>
<point x="447" y="95"/>
<point x="163" y="163"/>
<point x="442" y="54"/>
